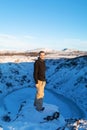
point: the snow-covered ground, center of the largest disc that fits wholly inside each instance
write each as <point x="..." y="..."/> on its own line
<point x="19" y="105"/>
<point x="65" y="92"/>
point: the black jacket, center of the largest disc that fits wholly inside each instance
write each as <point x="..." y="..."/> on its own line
<point x="39" y="70"/>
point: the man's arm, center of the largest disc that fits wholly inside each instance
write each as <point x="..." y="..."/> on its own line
<point x="36" y="72"/>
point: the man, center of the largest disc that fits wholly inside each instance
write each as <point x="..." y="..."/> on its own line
<point x="40" y="81"/>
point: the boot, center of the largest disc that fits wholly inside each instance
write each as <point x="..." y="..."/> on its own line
<point x="39" y="105"/>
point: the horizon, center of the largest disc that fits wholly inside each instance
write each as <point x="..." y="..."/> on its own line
<point x="41" y="49"/>
<point x="53" y="24"/>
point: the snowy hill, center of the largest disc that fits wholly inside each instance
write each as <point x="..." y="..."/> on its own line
<point x="66" y="92"/>
<point x="70" y="76"/>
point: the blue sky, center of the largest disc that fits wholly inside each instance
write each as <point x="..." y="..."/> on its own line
<point x="53" y="24"/>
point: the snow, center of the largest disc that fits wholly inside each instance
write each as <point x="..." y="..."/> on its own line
<point x="65" y="92"/>
<point x="28" y="116"/>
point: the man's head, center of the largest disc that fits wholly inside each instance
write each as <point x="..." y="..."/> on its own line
<point x="42" y="55"/>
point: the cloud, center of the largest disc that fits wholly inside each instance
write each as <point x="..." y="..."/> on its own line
<point x="28" y="42"/>
<point x="30" y="37"/>
<point x="11" y="42"/>
<point x="76" y="43"/>
<point x="6" y="36"/>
